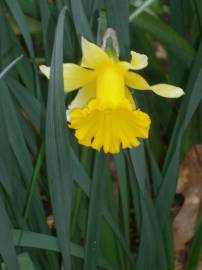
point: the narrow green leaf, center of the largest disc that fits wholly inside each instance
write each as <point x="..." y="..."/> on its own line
<point x="91" y="6"/>
<point x="123" y="184"/>
<point x="95" y="214"/>
<point x="199" y="10"/>
<point x="17" y="13"/>
<point x="80" y="20"/>
<point x="29" y="7"/>
<point x="58" y="155"/>
<point x="25" y="262"/>
<point x="24" y="161"/>
<point x="15" y="135"/>
<point x="188" y="106"/>
<point x="7" y="250"/>
<point x="150" y="228"/>
<point x="79" y="174"/>
<point x="48" y="242"/>
<point x="118" y="14"/>
<point x="83" y="181"/>
<point x="9" y="170"/>
<point x="33" y="185"/>
<point x="140" y="9"/>
<point x="118" y="234"/>
<point x="10" y="66"/>
<point x="165" y="34"/>
<point x="155" y="171"/>
<point x="30" y="105"/>
<point x="47" y="24"/>
<point x="176" y="67"/>
<point x="111" y="232"/>
<point x="33" y="25"/>
<point x="43" y="241"/>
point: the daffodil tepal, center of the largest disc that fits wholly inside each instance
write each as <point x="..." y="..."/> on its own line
<point x="103" y="113"/>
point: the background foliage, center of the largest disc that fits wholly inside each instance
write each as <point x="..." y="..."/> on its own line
<point x="109" y="212"/>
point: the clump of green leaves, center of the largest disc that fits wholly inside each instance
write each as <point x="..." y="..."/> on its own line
<point x="108" y="212"/>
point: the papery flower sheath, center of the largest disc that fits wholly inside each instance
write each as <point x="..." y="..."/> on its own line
<point x="103" y="113"/>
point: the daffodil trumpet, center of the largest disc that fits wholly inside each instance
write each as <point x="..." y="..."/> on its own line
<point x="103" y="113"/>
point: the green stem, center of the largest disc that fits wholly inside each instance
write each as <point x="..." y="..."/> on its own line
<point x="32" y="189"/>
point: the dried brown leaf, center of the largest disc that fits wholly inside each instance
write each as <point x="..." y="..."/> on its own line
<point x="190" y="186"/>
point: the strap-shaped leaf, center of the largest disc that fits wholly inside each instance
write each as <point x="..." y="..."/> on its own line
<point x="7" y="250"/>
<point x="57" y="149"/>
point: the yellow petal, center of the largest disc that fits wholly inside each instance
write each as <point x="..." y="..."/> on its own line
<point x="167" y="90"/>
<point x="136" y="81"/>
<point x="107" y="129"/>
<point x="138" y="61"/>
<point x="45" y="70"/>
<point x="130" y="98"/>
<point x="68" y="115"/>
<point x="93" y="56"/>
<point x="83" y="96"/>
<point x="74" y="76"/>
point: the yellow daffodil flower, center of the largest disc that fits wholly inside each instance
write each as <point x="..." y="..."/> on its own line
<point x="103" y="112"/>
